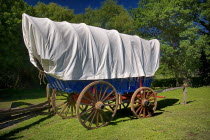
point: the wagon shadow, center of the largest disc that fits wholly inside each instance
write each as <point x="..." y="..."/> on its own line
<point x="165" y="103"/>
<point x="122" y="115"/>
<point x="18" y="104"/>
<point x="13" y="132"/>
<point x="126" y="114"/>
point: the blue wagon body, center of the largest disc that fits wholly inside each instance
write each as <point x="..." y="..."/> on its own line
<point x="122" y="85"/>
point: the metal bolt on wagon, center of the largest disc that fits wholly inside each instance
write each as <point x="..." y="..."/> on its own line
<point x="93" y="71"/>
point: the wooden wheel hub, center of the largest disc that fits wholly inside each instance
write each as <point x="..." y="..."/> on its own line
<point x="99" y="105"/>
<point x="145" y="103"/>
<point x="70" y="99"/>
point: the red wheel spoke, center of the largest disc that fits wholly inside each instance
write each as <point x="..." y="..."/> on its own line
<point x="138" y="98"/>
<point x="150" y="95"/>
<point x="144" y="112"/>
<point x="137" y="105"/>
<point x="138" y="109"/>
<point x="144" y="94"/>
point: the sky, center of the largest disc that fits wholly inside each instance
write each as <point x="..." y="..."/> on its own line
<point x="80" y="5"/>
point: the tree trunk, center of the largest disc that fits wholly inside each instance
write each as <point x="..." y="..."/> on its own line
<point x="177" y="79"/>
<point x="17" y="81"/>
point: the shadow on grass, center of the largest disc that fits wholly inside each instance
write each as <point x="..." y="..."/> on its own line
<point x="165" y="103"/>
<point x="122" y="115"/>
<point x="8" y="121"/>
<point x="18" y="104"/>
<point x="10" y="135"/>
<point x="127" y="114"/>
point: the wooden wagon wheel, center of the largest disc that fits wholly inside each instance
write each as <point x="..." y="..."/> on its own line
<point x="98" y="96"/>
<point x="64" y="104"/>
<point x="143" y="102"/>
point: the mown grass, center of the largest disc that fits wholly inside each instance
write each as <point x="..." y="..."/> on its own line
<point x="172" y="121"/>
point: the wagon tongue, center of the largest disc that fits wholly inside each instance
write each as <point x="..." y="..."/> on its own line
<point x="99" y="105"/>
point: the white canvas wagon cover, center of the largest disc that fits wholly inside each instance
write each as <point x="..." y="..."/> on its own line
<point x="69" y="51"/>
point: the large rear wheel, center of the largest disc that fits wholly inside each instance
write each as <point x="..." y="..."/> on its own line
<point x="99" y="97"/>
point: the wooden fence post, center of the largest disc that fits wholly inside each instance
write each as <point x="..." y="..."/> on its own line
<point x="48" y="90"/>
<point x="185" y="93"/>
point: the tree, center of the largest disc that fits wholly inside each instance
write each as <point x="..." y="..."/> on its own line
<point x="53" y="12"/>
<point x="109" y="16"/>
<point x="13" y="53"/>
<point x="204" y="18"/>
<point x="172" y="22"/>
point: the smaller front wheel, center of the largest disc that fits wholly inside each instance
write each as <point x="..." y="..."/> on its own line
<point x="143" y="102"/>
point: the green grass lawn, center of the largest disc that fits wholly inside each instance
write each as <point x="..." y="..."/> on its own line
<point x="172" y="121"/>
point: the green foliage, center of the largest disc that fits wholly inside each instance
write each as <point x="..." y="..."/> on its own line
<point x="173" y="23"/>
<point x="165" y="83"/>
<point x="13" y="55"/>
<point x="109" y="16"/>
<point x="172" y="82"/>
<point x="54" y="12"/>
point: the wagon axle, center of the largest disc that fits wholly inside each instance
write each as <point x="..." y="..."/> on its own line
<point x="99" y="105"/>
<point x="145" y="103"/>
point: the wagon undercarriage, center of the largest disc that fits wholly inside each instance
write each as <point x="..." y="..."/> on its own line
<point x="99" y="101"/>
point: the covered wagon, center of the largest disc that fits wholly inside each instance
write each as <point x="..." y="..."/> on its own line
<point x="93" y="71"/>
